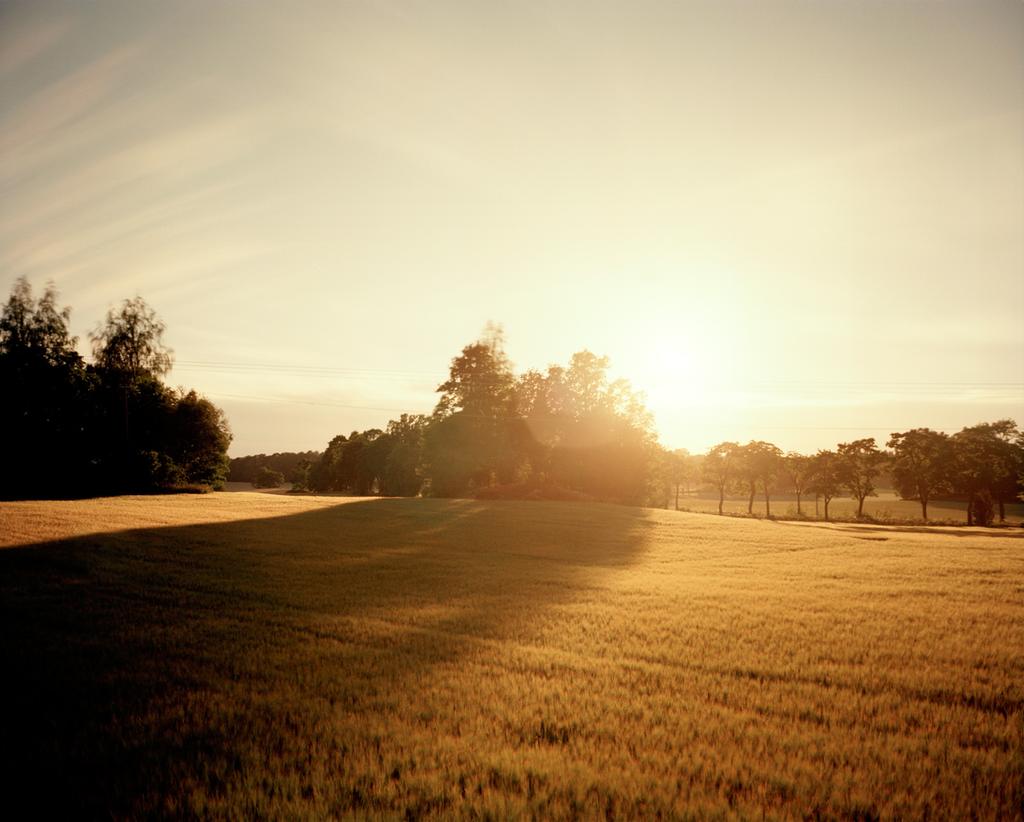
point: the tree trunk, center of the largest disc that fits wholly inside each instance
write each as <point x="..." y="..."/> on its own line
<point x="816" y="498"/>
<point x="767" y="504"/>
<point x="924" y="508"/>
<point x="799" y="513"/>
<point x="1002" y="510"/>
<point x="721" y="499"/>
<point x="677" y="496"/>
<point x="970" y="509"/>
<point x="860" y="507"/>
<point x="127" y="438"/>
<point x="750" y="502"/>
<point x="827" y="500"/>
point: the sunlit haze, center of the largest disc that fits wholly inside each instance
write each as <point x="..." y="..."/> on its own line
<point x="801" y="222"/>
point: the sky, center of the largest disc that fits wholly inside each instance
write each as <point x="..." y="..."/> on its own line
<point x="800" y="222"/>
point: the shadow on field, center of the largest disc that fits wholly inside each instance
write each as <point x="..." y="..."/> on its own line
<point x="1004" y="532"/>
<point x="144" y="668"/>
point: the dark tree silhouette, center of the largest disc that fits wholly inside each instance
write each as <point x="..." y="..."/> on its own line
<point x="763" y="462"/>
<point x="566" y="430"/>
<point x="199" y="440"/>
<point x="267" y="477"/>
<point x="75" y="429"/>
<point x="922" y="464"/>
<point x="470" y="443"/>
<point x="860" y="462"/>
<point x="45" y="408"/>
<point x="798" y="470"/>
<point x="826" y="476"/>
<point x="402" y="474"/>
<point x="129" y="343"/>
<point x="987" y="461"/>
<point x="294" y="465"/>
<point x="721" y="467"/>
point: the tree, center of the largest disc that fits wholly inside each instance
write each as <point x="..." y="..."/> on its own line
<point x="1008" y="486"/>
<point x="480" y="379"/>
<point x="46" y="395"/>
<point x="130" y="342"/>
<point x="267" y="477"/>
<point x="747" y="475"/>
<point x="922" y="464"/>
<point x="680" y="469"/>
<point x="720" y="466"/>
<point x="402" y="474"/>
<point x="602" y="442"/>
<point x="569" y="427"/>
<point x="470" y="441"/>
<point x="294" y="465"/>
<point x="36" y="332"/>
<point x="826" y="476"/>
<point x="66" y="424"/>
<point x="798" y="469"/>
<point x="199" y="440"/>
<point x="860" y="462"/>
<point x="987" y="460"/>
<point x="539" y="404"/>
<point x="762" y="463"/>
<point x="130" y="359"/>
<point x="299" y="475"/>
<point x="1008" y="479"/>
<point x="458" y="455"/>
<point x="323" y="475"/>
<point x="353" y="468"/>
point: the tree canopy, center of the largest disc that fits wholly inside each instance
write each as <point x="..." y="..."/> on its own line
<point x="567" y="431"/>
<point x="74" y="429"/>
<point x="922" y="462"/>
<point x="130" y="342"/>
<point x="569" y="428"/>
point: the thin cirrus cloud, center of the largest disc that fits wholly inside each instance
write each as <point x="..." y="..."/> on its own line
<point x="32" y="41"/>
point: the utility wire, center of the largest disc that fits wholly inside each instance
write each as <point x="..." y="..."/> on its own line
<point x="408" y="375"/>
<point x="693" y="424"/>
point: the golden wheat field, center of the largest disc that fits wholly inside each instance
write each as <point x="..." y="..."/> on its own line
<point x="253" y="655"/>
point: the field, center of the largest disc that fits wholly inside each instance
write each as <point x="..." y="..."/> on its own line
<point x="886" y="506"/>
<point x="240" y="655"/>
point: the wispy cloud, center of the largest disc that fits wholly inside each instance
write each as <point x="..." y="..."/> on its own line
<point x="59" y="104"/>
<point x="32" y="41"/>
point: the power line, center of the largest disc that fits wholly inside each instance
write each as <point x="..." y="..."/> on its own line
<point x="692" y="424"/>
<point x="290" y="401"/>
<point x="407" y="374"/>
<point x="994" y="390"/>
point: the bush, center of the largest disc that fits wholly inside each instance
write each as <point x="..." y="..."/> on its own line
<point x="268" y="478"/>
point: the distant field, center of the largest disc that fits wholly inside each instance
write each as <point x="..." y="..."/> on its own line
<point x="885" y="506"/>
<point x="241" y="655"/>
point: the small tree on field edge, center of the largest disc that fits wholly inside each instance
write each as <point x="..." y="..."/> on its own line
<point x="268" y="478"/>
<point x="826" y="476"/>
<point x="860" y="462"/>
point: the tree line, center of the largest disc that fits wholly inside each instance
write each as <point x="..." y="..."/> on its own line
<point x="570" y="432"/>
<point x="982" y="464"/>
<point x="111" y="426"/>
<point x="567" y="432"/>
<point x="270" y="471"/>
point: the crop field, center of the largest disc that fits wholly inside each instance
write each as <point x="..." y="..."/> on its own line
<point x="241" y="655"/>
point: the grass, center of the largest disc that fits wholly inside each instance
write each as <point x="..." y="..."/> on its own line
<point x="887" y="506"/>
<point x="238" y="655"/>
